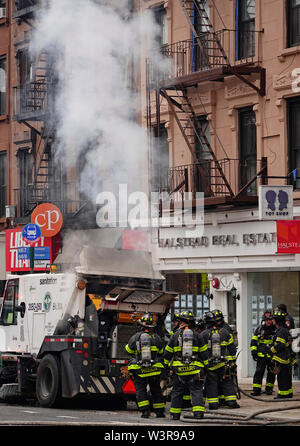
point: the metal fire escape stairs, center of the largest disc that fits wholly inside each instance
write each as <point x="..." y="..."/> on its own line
<point x="36" y="109"/>
<point x="212" y="54"/>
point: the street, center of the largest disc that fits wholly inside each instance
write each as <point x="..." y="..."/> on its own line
<point x="86" y="412"/>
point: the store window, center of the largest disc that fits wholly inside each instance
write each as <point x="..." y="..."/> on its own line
<point x="265" y="292"/>
<point x="191" y="294"/>
<point x="293" y="22"/>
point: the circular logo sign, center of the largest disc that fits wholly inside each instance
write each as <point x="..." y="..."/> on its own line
<point x="49" y="218"/>
<point x="31" y="233"/>
<point x="47" y="302"/>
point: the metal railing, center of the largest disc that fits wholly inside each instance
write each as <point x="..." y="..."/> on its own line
<point x="205" y="53"/>
<point x="204" y="176"/>
<point x="65" y="195"/>
<point x="22" y="4"/>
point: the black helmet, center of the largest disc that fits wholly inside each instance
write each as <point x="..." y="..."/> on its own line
<point x="209" y="318"/>
<point x="267" y="315"/>
<point x="187" y="316"/>
<point x="200" y="325"/>
<point x="279" y="316"/>
<point x="218" y="315"/>
<point x="175" y="317"/>
<point x="146" y="320"/>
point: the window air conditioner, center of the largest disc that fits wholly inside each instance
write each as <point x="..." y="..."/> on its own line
<point x="2" y="13"/>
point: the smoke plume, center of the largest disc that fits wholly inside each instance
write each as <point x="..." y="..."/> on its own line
<point x="94" y="45"/>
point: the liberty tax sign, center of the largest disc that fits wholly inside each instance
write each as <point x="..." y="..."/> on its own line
<point x="275" y="202"/>
<point x="15" y="263"/>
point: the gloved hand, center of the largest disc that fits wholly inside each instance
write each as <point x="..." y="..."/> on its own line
<point x="254" y="356"/>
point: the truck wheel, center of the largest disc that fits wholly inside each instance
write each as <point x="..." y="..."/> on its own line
<point x="48" y="390"/>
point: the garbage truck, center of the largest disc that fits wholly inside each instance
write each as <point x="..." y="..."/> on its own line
<point x="64" y="334"/>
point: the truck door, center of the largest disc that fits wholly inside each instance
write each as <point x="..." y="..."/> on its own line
<point x="10" y="302"/>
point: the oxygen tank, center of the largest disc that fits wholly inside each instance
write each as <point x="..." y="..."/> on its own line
<point x="187" y="345"/>
<point x="145" y="342"/>
<point x="215" y="345"/>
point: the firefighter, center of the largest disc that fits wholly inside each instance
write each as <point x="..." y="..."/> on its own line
<point x="186" y="355"/>
<point x="146" y="366"/>
<point x="261" y="340"/>
<point x="221" y="364"/>
<point x="220" y="323"/>
<point x="281" y="356"/>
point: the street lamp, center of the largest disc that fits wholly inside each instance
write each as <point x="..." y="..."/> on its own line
<point x="233" y="293"/>
<point x="207" y="293"/>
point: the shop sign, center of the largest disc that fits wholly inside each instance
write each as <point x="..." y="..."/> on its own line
<point x="16" y="256"/>
<point x="232" y="239"/>
<point x="275" y="202"/>
<point x="288" y="236"/>
<point x="49" y="218"/>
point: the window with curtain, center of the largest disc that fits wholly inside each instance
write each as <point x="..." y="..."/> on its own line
<point x="2" y="85"/>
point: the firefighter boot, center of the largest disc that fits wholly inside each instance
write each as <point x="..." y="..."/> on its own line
<point x="145" y="413"/>
<point x="160" y="413"/>
<point x="233" y="405"/>
<point x="176" y="416"/>
<point x="198" y="415"/>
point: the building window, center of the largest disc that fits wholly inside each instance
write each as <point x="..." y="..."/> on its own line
<point x="294" y="136"/>
<point x="2" y="9"/>
<point x="25" y="180"/>
<point x="245" y="26"/>
<point x="160" y="158"/>
<point x="2" y="183"/>
<point x="293" y="22"/>
<point x="160" y="16"/>
<point x="202" y="170"/>
<point x="2" y="85"/>
<point x="201" y="48"/>
<point x="247" y="149"/>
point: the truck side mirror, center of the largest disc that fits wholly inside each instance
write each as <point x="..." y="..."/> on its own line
<point x="21" y="309"/>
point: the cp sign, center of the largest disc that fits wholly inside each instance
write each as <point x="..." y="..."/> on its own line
<point x="49" y="218"/>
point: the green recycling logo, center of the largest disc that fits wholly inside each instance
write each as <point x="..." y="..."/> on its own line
<point x="47" y="302"/>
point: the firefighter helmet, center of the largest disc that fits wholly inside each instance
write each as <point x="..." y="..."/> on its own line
<point x="209" y="318"/>
<point x="146" y="320"/>
<point x="175" y="317"/>
<point x="279" y="316"/>
<point x="187" y="316"/>
<point x="219" y="317"/>
<point x="267" y="316"/>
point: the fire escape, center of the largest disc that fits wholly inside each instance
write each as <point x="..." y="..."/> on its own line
<point x="34" y="108"/>
<point x="201" y="59"/>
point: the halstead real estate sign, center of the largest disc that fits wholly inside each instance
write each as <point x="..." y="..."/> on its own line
<point x="275" y="202"/>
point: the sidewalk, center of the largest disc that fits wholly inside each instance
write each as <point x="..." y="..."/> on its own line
<point x="250" y="406"/>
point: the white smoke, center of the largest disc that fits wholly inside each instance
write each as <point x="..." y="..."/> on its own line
<point x="94" y="47"/>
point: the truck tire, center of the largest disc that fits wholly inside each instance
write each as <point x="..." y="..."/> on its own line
<point x="48" y="386"/>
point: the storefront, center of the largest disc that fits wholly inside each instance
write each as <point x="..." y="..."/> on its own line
<point x="237" y="253"/>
